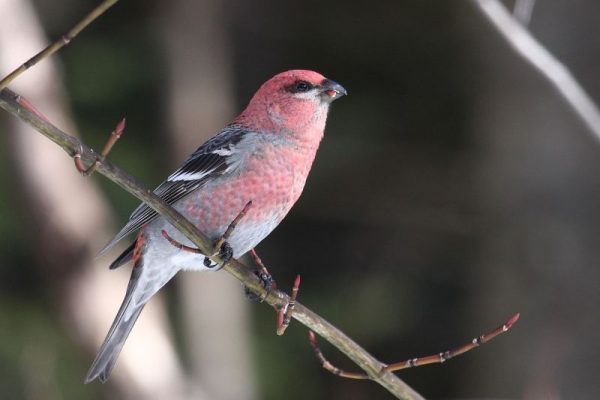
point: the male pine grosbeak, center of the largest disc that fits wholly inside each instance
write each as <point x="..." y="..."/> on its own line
<point x="263" y="156"/>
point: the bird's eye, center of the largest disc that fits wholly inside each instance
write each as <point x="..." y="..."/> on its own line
<point x="302" y="86"/>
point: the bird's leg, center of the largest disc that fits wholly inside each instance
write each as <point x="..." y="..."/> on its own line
<point x="221" y="247"/>
<point x="413" y="362"/>
<point x="225" y="253"/>
<point x="264" y="276"/>
<point x="219" y="243"/>
<point x="112" y="139"/>
<point x="284" y="315"/>
<point x="262" y="272"/>
<point x="179" y="245"/>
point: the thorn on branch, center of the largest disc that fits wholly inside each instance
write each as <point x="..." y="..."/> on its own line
<point x="414" y="362"/>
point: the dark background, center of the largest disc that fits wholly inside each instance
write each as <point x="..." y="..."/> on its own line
<point x="454" y="187"/>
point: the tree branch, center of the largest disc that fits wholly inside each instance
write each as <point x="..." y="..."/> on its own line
<point x="57" y="45"/>
<point x="19" y="107"/>
<point x="537" y="55"/>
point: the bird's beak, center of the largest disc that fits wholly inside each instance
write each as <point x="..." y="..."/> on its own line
<point x="331" y="90"/>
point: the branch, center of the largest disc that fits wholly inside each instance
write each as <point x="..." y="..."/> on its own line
<point x="438" y="358"/>
<point x="19" y="107"/>
<point x="57" y="45"/>
<point x="537" y="55"/>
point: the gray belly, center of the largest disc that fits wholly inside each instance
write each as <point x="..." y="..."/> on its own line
<point x="245" y="237"/>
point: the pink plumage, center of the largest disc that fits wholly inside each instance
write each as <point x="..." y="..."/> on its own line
<point x="263" y="156"/>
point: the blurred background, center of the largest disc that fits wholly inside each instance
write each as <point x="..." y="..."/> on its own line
<point x="453" y="188"/>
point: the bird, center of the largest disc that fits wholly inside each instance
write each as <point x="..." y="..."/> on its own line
<point x="263" y="156"/>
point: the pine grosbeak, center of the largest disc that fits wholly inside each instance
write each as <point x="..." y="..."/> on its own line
<point x="263" y="156"/>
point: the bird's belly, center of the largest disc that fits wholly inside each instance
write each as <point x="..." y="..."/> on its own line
<point x="245" y="237"/>
<point x="212" y="211"/>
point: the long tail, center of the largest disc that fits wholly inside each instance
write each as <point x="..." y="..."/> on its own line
<point x="117" y="335"/>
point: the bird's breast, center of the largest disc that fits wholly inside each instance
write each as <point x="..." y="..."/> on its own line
<point x="272" y="178"/>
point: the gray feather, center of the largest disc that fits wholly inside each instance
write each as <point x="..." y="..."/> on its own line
<point x="117" y="335"/>
<point x="209" y="161"/>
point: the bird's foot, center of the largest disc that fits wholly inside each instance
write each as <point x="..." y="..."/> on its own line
<point x="284" y="315"/>
<point x="266" y="280"/>
<point x="264" y="276"/>
<point x="222" y="248"/>
<point x="225" y="254"/>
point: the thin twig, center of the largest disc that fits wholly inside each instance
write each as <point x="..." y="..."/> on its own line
<point x="327" y="365"/>
<point x="112" y="139"/>
<point x="275" y="298"/>
<point x="538" y="56"/>
<point x="284" y="316"/>
<point x="413" y="362"/>
<point x="446" y="355"/>
<point x="57" y="45"/>
<point x="114" y="136"/>
<point x="81" y="168"/>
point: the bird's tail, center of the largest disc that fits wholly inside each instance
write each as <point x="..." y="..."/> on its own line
<point x="117" y="335"/>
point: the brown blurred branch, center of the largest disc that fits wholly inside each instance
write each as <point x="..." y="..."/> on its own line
<point x="549" y="66"/>
<point x="15" y="104"/>
<point x="57" y="45"/>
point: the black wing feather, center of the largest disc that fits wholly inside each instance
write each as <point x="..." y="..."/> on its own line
<point x="204" y="163"/>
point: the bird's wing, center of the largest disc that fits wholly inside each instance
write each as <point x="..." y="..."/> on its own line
<point x="216" y="157"/>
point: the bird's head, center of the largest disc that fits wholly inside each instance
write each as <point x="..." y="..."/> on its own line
<point x="292" y="101"/>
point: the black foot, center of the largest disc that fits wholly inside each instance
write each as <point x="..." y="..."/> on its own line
<point x="267" y="282"/>
<point x="208" y="263"/>
<point x="226" y="254"/>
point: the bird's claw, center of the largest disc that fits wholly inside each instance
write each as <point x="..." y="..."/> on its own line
<point x="225" y="253"/>
<point x="266" y="280"/>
